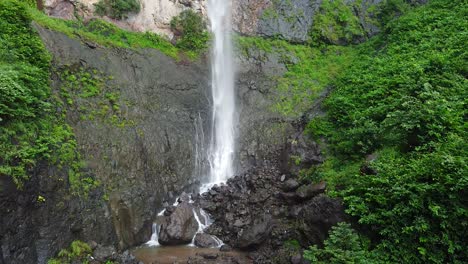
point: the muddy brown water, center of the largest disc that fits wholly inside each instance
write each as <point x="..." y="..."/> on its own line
<point x="180" y="254"/>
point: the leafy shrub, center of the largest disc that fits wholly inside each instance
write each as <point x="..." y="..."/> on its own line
<point x="101" y="27"/>
<point x="78" y="251"/>
<point x="403" y="101"/>
<point x="407" y="94"/>
<point x="343" y="246"/>
<point x="20" y="96"/>
<point x="416" y="203"/>
<point x="335" y="23"/>
<point x="118" y="9"/>
<point x="190" y="31"/>
<point x="30" y="131"/>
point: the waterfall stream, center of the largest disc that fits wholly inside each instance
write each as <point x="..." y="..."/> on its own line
<point x="222" y="86"/>
<point x="221" y="150"/>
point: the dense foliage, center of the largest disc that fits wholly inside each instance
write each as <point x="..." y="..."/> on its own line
<point x="107" y="34"/>
<point x="118" y="9"/>
<point x="78" y="252"/>
<point x="402" y="105"/>
<point x="190" y="31"/>
<point x="344" y="245"/>
<point x="30" y="129"/>
<point x="335" y="22"/>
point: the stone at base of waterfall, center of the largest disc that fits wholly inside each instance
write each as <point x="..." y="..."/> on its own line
<point x="103" y="253"/>
<point x="179" y="227"/>
<point x="257" y="233"/>
<point x="225" y="248"/>
<point x="205" y="241"/>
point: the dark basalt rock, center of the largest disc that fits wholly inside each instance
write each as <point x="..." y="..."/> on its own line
<point x="204" y="240"/>
<point x="308" y="191"/>
<point x="104" y="253"/>
<point x="225" y="248"/>
<point x="281" y="24"/>
<point x="209" y="255"/>
<point x="257" y="233"/>
<point x="253" y="212"/>
<point x="290" y="185"/>
<point x="303" y="153"/>
<point x="180" y="227"/>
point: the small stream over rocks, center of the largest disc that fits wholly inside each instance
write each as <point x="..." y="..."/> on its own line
<point x="258" y="212"/>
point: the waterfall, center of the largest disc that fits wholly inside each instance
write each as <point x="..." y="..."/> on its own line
<point x="222" y="77"/>
<point x="221" y="149"/>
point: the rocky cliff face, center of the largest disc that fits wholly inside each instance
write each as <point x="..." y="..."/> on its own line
<point x="147" y="152"/>
<point x="141" y="122"/>
<point x="290" y="20"/>
<point x="154" y="16"/>
<point x="141" y="148"/>
<point x="262" y="131"/>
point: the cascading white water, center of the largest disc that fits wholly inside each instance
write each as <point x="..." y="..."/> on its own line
<point x="221" y="150"/>
<point x="222" y="77"/>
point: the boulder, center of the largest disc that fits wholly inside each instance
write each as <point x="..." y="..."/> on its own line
<point x="180" y="227"/>
<point x="290" y="185"/>
<point x="257" y="233"/>
<point x="308" y="191"/>
<point x="209" y="255"/>
<point x="184" y="197"/>
<point x="225" y="248"/>
<point x="205" y="241"/>
<point x="104" y="253"/>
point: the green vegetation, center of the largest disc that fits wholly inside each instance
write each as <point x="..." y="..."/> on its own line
<point x="30" y="131"/>
<point x="342" y="246"/>
<point x="78" y="251"/>
<point x="401" y="104"/>
<point x="335" y="23"/>
<point x="106" y="34"/>
<point x="89" y="93"/>
<point x="309" y="70"/>
<point x="118" y="9"/>
<point x="190" y="31"/>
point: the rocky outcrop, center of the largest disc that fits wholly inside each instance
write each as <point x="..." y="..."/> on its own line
<point x="294" y="20"/>
<point x="260" y="211"/>
<point x="179" y="227"/>
<point x="60" y="8"/>
<point x="262" y="131"/>
<point x="205" y="241"/>
<point x="256" y="233"/>
<point x="290" y="20"/>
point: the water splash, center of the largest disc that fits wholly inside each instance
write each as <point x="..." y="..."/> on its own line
<point x="155" y="228"/>
<point x="154" y="240"/>
<point x="202" y="218"/>
<point x="222" y="77"/>
<point x="221" y="151"/>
